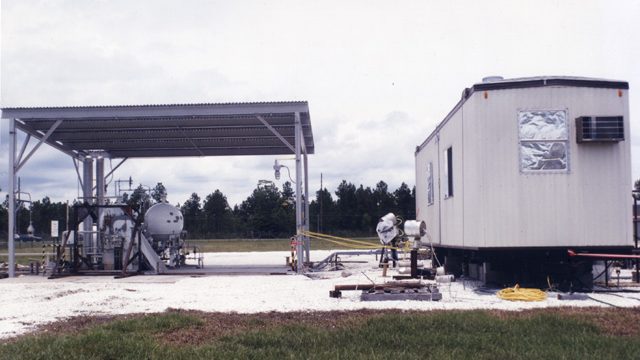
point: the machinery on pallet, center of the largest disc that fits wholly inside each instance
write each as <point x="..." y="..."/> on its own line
<point x="115" y="238"/>
<point x="418" y="266"/>
<point x="393" y="238"/>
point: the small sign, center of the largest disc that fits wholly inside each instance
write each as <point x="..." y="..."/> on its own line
<point x="54" y="228"/>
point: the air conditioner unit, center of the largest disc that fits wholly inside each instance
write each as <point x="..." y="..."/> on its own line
<point x="599" y="129"/>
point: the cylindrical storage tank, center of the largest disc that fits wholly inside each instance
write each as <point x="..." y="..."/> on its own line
<point x="415" y="228"/>
<point x="163" y="220"/>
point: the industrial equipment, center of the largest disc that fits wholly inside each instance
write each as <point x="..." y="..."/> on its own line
<point x="163" y="229"/>
<point x="122" y="239"/>
<point x="393" y="238"/>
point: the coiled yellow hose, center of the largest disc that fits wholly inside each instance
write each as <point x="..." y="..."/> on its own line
<point x="517" y="293"/>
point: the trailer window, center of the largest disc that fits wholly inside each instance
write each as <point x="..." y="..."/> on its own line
<point x="448" y="173"/>
<point x="544" y="141"/>
<point x="430" y="183"/>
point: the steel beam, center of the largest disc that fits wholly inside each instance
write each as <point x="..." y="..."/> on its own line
<point x="172" y="152"/>
<point x="55" y="145"/>
<point x="115" y="168"/>
<point x="75" y="165"/>
<point x="12" y="198"/>
<point x="277" y="134"/>
<point x="42" y="141"/>
<point x="211" y="132"/>
<point x="299" y="221"/>
<point x="24" y="147"/>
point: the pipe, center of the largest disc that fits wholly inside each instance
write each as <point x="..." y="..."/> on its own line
<point x="414" y="263"/>
<point x="403" y="285"/>
<point x="602" y="256"/>
<point x="635" y="235"/>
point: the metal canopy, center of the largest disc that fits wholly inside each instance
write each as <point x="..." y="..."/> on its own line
<point x="91" y="133"/>
<point x="169" y="130"/>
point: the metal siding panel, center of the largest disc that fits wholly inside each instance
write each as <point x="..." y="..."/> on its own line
<point x="475" y="133"/>
<point x="451" y="209"/>
<point x="578" y="208"/>
<point x="589" y="206"/>
<point x="502" y="206"/>
<point x="428" y="213"/>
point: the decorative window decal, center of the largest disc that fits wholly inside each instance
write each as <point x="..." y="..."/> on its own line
<point x="544" y="141"/>
<point x="430" y="183"/>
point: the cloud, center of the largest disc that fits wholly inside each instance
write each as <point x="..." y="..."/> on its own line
<point x="378" y="75"/>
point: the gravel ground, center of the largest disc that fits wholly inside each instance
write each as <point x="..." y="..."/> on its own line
<point x="32" y="301"/>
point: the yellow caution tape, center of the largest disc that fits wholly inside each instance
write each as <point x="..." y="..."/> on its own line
<point x="349" y="243"/>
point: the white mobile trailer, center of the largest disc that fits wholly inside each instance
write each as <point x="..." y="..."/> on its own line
<point x="529" y="164"/>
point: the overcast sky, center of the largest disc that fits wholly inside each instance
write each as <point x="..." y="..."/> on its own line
<point x="378" y="75"/>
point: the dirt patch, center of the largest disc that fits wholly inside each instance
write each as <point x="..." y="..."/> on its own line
<point x="77" y="324"/>
<point x="217" y="325"/>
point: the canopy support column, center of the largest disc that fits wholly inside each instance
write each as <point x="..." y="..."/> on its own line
<point x="307" y="244"/>
<point x="100" y="181"/>
<point x="87" y="194"/>
<point x="299" y="220"/>
<point x="96" y="240"/>
<point x="12" y="198"/>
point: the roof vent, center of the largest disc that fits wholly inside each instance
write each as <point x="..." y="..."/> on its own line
<point x="488" y="79"/>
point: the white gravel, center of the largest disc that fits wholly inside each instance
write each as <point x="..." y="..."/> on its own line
<point x="29" y="301"/>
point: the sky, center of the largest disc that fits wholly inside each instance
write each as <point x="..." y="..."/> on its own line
<point x="378" y="75"/>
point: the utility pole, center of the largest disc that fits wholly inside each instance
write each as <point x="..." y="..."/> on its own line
<point x="320" y="200"/>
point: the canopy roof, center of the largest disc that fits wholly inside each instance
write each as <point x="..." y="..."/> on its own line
<point x="139" y="131"/>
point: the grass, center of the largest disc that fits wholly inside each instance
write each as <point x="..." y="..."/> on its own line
<point x="24" y="247"/>
<point x="539" y="334"/>
<point x="245" y="245"/>
<point x="213" y="245"/>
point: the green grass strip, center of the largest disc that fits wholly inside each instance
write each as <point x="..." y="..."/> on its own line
<point x="435" y="335"/>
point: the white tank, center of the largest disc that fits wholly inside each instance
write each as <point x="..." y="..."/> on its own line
<point x="114" y="221"/>
<point x="163" y="219"/>
<point x="415" y="228"/>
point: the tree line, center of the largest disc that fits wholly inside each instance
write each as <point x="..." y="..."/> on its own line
<point x="268" y="212"/>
